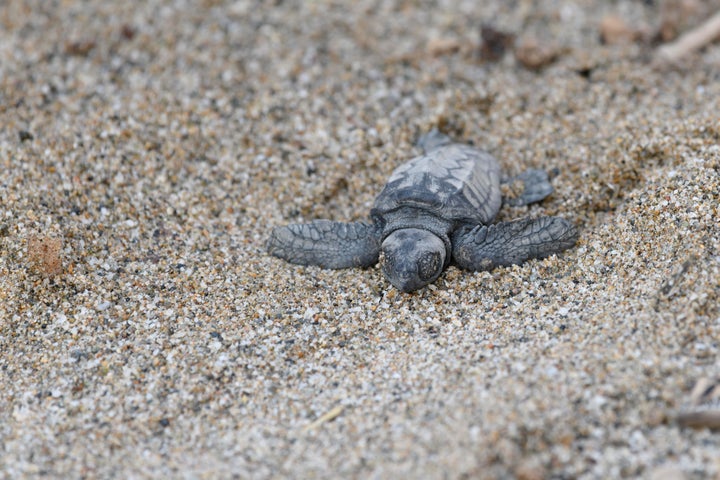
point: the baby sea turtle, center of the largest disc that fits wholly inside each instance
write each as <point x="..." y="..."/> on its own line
<point x="436" y="209"/>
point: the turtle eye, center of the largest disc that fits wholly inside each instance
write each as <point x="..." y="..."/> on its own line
<point x="428" y="265"/>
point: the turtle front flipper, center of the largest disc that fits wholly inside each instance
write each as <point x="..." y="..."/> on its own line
<point x="327" y="244"/>
<point x="528" y="187"/>
<point x="512" y="243"/>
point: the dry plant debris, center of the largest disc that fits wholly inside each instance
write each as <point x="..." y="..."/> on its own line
<point x="43" y="252"/>
<point x="704" y="409"/>
<point x="534" y="54"/>
<point x="615" y="30"/>
<point x="675" y="16"/>
<point x="691" y="41"/>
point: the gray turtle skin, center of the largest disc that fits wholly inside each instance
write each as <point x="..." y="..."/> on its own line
<point x="435" y="209"/>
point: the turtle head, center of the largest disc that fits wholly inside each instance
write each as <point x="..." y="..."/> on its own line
<point x="413" y="258"/>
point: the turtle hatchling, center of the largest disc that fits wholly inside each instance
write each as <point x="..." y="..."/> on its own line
<point x="435" y="210"/>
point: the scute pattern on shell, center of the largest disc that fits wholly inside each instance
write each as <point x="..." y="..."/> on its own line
<point x="456" y="182"/>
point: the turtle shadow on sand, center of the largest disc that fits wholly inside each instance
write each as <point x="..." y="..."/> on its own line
<point x="434" y="210"/>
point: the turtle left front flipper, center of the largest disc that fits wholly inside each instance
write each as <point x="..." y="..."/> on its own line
<point x="327" y="244"/>
<point x="502" y="244"/>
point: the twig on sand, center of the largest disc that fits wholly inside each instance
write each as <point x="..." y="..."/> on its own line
<point x="691" y="41"/>
<point x="704" y="408"/>
<point x="331" y="415"/>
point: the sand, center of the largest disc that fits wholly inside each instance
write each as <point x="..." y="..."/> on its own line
<point x="147" y="150"/>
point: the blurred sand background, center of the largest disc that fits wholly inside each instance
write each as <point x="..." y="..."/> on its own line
<point x="147" y="148"/>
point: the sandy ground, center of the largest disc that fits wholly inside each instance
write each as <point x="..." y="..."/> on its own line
<point x="146" y="151"/>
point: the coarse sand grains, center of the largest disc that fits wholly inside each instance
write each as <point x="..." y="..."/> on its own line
<point x="155" y="144"/>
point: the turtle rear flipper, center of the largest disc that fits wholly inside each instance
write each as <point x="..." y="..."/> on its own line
<point x="533" y="185"/>
<point x="327" y="244"/>
<point x="432" y="140"/>
<point x="511" y="243"/>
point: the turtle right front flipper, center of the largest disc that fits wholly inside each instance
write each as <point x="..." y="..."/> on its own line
<point x="511" y="243"/>
<point x="327" y="244"/>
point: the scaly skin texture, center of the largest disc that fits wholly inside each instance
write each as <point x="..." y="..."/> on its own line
<point x="327" y="244"/>
<point x="455" y="182"/>
<point x="435" y="208"/>
<point x="413" y="258"/>
<point x="511" y="243"/>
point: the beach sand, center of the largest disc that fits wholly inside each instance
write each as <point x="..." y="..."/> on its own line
<point x="146" y="151"/>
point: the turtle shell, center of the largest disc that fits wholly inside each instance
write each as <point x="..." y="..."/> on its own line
<point x="455" y="182"/>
